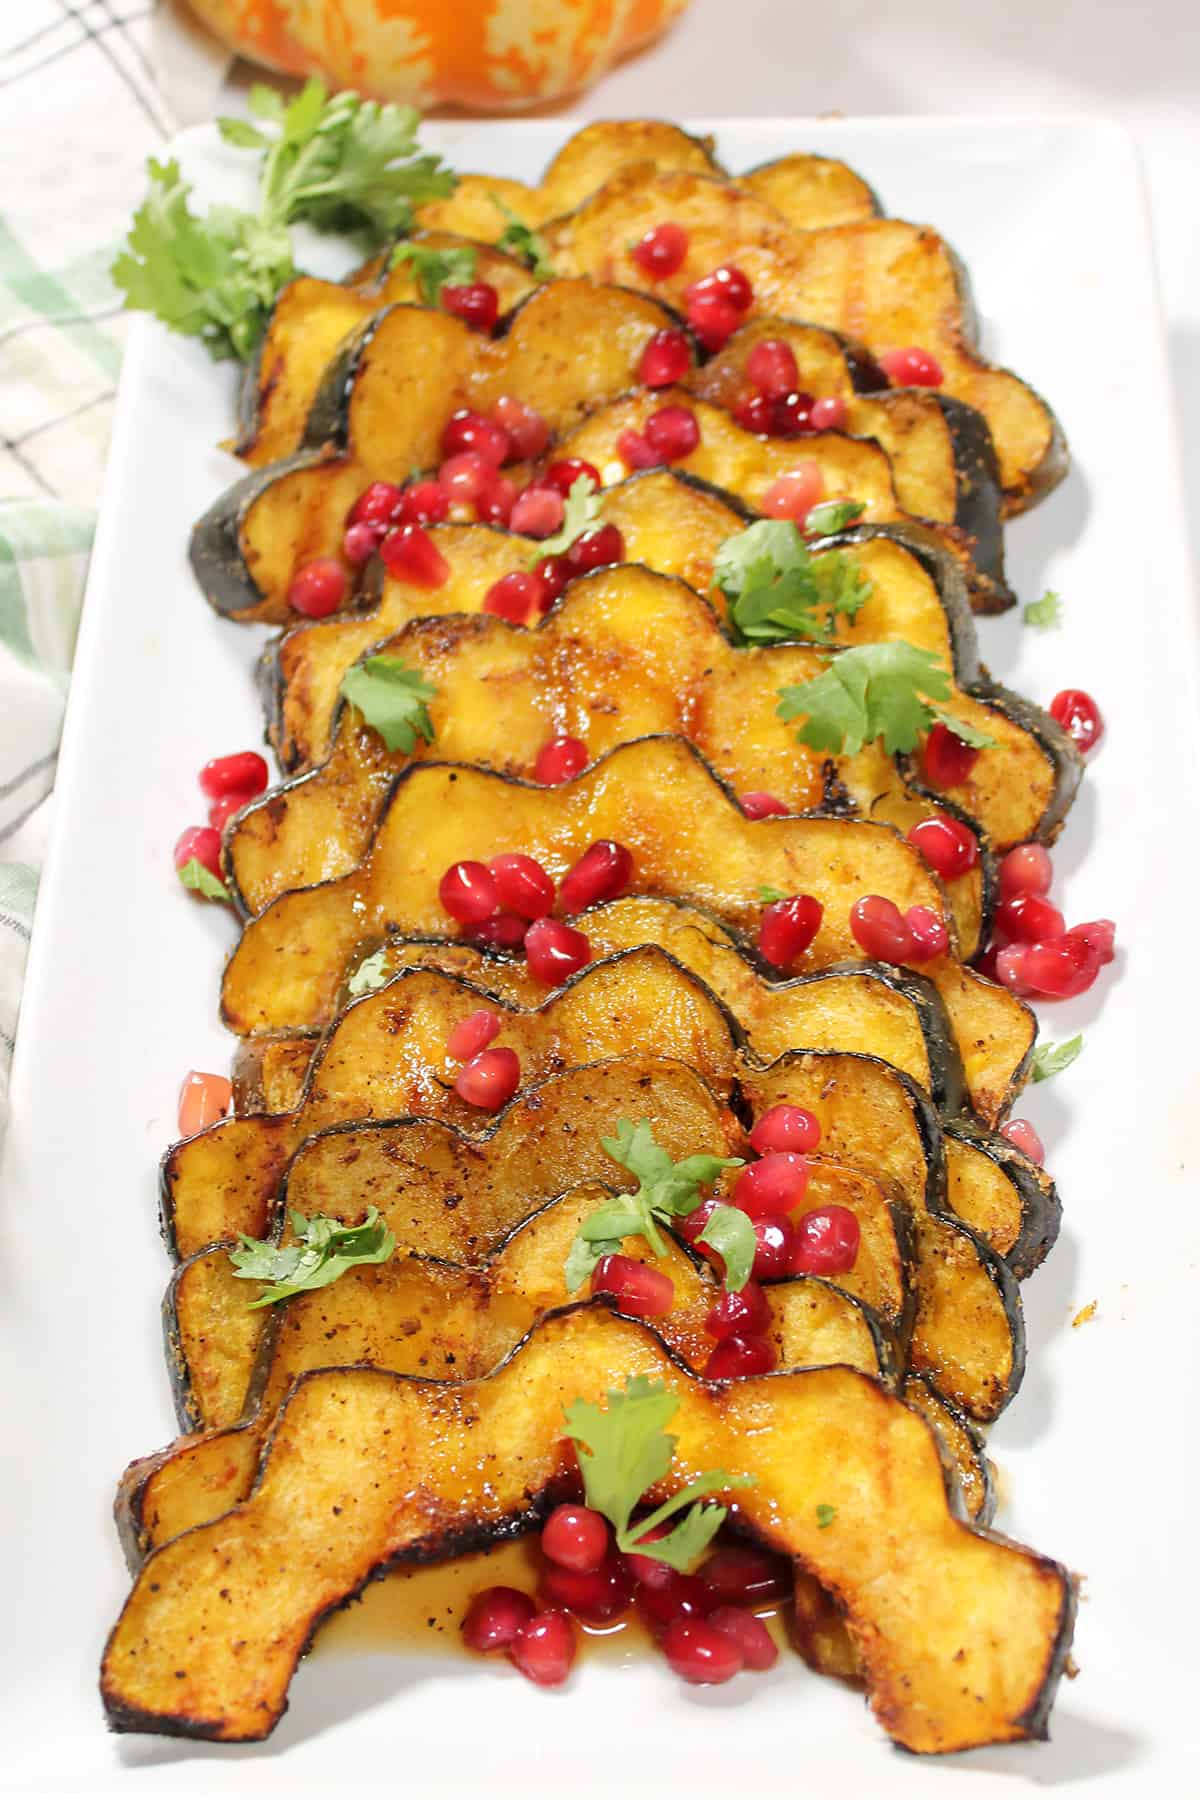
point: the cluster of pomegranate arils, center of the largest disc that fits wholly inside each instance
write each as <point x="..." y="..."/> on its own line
<point x="228" y="783"/>
<point x="705" y="1623"/>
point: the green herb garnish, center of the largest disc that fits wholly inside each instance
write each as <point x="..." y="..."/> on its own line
<point x="370" y="974"/>
<point x="202" y="881"/>
<point x="324" y="1249"/>
<point x="885" y="691"/>
<point x="580" y="513"/>
<point x="392" y="699"/>
<point x="777" y="589"/>
<point x="1052" y="1059"/>
<point x="522" y="241"/>
<point x="768" y="895"/>
<point x="831" y="516"/>
<point x="1044" y="614"/>
<point x="826" y="1514"/>
<point x="435" y="269"/>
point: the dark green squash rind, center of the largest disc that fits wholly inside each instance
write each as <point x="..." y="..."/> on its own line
<point x="215" y="550"/>
<point x="1041" y="1208"/>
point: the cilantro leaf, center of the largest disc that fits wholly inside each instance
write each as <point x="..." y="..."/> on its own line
<point x="370" y="974"/>
<point x="323" y="1250"/>
<point x="1052" y="1059"/>
<point x="202" y="881"/>
<point x="392" y="699"/>
<point x="579" y="515"/>
<point x="777" y="589"/>
<point x="624" y="1450"/>
<point x="768" y="895"/>
<point x="522" y="241"/>
<point x="729" y="1232"/>
<point x="968" y="734"/>
<point x="666" y="1190"/>
<point x="831" y="516"/>
<point x="435" y="269"/>
<point x="826" y="1514"/>
<point x="872" y="691"/>
<point x="1044" y="614"/>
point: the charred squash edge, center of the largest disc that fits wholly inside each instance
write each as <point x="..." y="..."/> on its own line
<point x="1041" y="1208"/>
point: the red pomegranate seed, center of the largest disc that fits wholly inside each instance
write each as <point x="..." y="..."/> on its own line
<point x="699" y="1653"/>
<point x="468" y="892"/>
<point x="755" y="413"/>
<point x="476" y="303"/>
<point x="528" y="432"/>
<point x="560" y="760"/>
<point x="635" y="452"/>
<point x="494" y="506"/>
<point x="736" y="1357"/>
<point x="467" y="430"/>
<point x="773" y="1256"/>
<point x="522" y="883"/>
<point x="786" y="1128"/>
<point x="1026" y="918"/>
<point x="203" y="1099"/>
<point x="1025" y="870"/>
<point x="1022" y="1135"/>
<point x="788" y="927"/>
<point x="593" y="1595"/>
<point x="637" y="1288"/>
<point x="724" y="283"/>
<point x="465" y="477"/>
<point x="771" y="366"/>
<point x="318" y="588"/>
<point x="791" y="415"/>
<point x="828" y="414"/>
<point x="489" y="1080"/>
<point x="514" y="596"/>
<point x="376" y="504"/>
<point x="826" y="1242"/>
<point x="677" y="1596"/>
<point x="494" y="1618"/>
<point x="563" y="474"/>
<point x="880" y="929"/>
<point x="424" y="503"/>
<point x="758" y="804"/>
<point x="243" y="772"/>
<point x="661" y="251"/>
<point x="411" y="555"/>
<point x="575" y="1537"/>
<point x="1079" y="717"/>
<point x="691" y="1225"/>
<point x="544" y="1648"/>
<point x="554" y="951"/>
<point x="673" y="432"/>
<point x="795" y="494"/>
<point x="946" y="760"/>
<point x="774" y="1184"/>
<point x="1010" y="968"/>
<point x="1060" y="968"/>
<point x="503" y="931"/>
<point x="1099" y="935"/>
<point x="200" y="843"/>
<point x="929" y="934"/>
<point x="603" y="872"/>
<point x="647" y="1571"/>
<point x="713" y="320"/>
<point x="948" y="846"/>
<point x="911" y="367"/>
<point x="739" y="1574"/>
<point x="757" y="1647"/>
<point x="222" y="810"/>
<point x="538" y="512"/>
<point x="360" y="542"/>
<point x="473" y="1034"/>
<point x="596" y="549"/>
<point x="553" y="572"/>
<point x="744" y="1312"/>
<point x="667" y="358"/>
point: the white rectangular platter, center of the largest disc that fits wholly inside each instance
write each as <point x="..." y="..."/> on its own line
<point x="1098" y="1450"/>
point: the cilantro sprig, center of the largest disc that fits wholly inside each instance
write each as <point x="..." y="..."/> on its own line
<point x="522" y="241"/>
<point x="338" y="163"/>
<point x="776" y="589"/>
<point x="1044" y="614"/>
<point x="623" y="1451"/>
<point x="370" y="974"/>
<point x="324" y="1249"/>
<point x="393" y="699"/>
<point x="1052" y="1059"/>
<point x="887" y="691"/>
<point x="580" y="512"/>
<point x="433" y="268"/>
<point x="202" y="881"/>
<point x="666" y="1191"/>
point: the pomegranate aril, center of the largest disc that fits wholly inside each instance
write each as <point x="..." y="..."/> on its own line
<point x="771" y="366"/>
<point x="222" y="810"/>
<point x="375" y="505"/>
<point x="826" y="1242"/>
<point x="725" y="283"/>
<point x="537" y="512"/>
<point x="476" y="303"/>
<point x="713" y="320"/>
<point x="473" y="1034"/>
<point x="739" y="1574"/>
<point x="880" y="929"/>
<point x="1099" y="935"/>
<point x="828" y="414"/>
<point x="661" y="251"/>
<point x="244" y="772"/>
<point x="554" y="951"/>
<point x="603" y="872"/>
<point x="563" y="475"/>
<point x="514" y="597"/>
<point x="559" y="760"/>
<point x="424" y="503"/>
<point x="672" y="432"/>
<point x="553" y="572"/>
<point x="1010" y="968"/>
<point x="678" y="1597"/>
<point x="596" y="549"/>
<point x="787" y="928"/>
<point x="744" y="1312"/>
<point x="593" y="1595"/>
<point x="786" y="1128"/>
<point x="773" y="1185"/>
<point x="1060" y="968"/>
<point x="758" y="804"/>
<point x="575" y="1537"/>
<point x="636" y="1287"/>
<point x="467" y="430"/>
<point x="503" y="931"/>
<point x="360" y="542"/>
<point x="699" y="1653"/>
<point x="948" y="846"/>
<point x="1026" y="918"/>
<point x="199" y="843"/>
<point x="468" y="892"/>
<point x="494" y="1618"/>
<point x="773" y="1255"/>
<point x="522" y="883"/>
<point x="635" y="452"/>
<point x="755" y="413"/>
<point x="489" y="1080"/>
<point x="929" y="933"/>
<point x="945" y="760"/>
<point x="1079" y="717"/>
<point x="528" y="432"/>
<point x="794" y="495"/>
<point x="544" y="1648"/>
<point x="465" y="477"/>
<point x="1025" y="870"/>
<point x="411" y="555"/>
<point x="911" y="367"/>
<point x="691" y="1225"/>
<point x="757" y="1647"/>
<point x="791" y="415"/>
<point x="494" y="506"/>
<point x="318" y="588"/>
<point x="736" y="1357"/>
<point x="203" y="1099"/>
<point x="666" y="359"/>
<point x="1021" y="1133"/>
